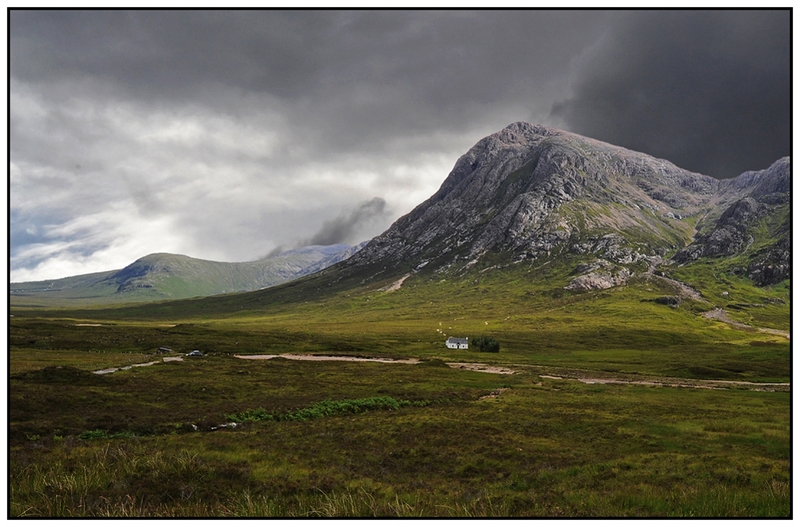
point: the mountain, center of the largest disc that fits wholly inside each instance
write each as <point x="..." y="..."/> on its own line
<point x="531" y="194"/>
<point x="569" y="213"/>
<point x="172" y="276"/>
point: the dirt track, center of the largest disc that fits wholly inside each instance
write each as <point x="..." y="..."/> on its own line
<point x="721" y="315"/>
<point x="472" y="366"/>
<point x="507" y="370"/>
<point x="503" y="370"/>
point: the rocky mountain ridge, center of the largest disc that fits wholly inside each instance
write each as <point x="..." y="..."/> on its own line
<point x="530" y="193"/>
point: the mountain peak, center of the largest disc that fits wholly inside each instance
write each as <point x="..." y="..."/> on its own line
<point x="529" y="191"/>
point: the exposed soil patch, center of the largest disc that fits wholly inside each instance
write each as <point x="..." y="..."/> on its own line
<point x="494" y="395"/>
<point x="397" y="285"/>
<point x="485" y="368"/>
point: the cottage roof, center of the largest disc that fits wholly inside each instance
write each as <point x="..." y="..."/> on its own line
<point x="457" y="340"/>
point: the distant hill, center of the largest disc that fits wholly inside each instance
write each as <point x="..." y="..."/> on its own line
<point x="163" y="276"/>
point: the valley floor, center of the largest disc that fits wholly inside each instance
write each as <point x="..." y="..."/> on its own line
<point x="403" y="438"/>
<point x="599" y="404"/>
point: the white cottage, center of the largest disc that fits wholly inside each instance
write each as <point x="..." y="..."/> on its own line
<point x="457" y="343"/>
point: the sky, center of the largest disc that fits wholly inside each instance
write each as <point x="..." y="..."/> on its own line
<point x="233" y="135"/>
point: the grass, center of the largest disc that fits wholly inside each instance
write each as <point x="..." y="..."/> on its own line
<point x="621" y="330"/>
<point x="349" y="439"/>
<point x="542" y="448"/>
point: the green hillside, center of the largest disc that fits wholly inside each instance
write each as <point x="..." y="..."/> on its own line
<point x="164" y="276"/>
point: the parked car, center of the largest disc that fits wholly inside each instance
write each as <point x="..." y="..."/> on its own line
<point x="195" y="353"/>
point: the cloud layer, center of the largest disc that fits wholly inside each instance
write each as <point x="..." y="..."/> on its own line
<point x="226" y="135"/>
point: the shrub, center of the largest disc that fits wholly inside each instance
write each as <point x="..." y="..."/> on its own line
<point x="487" y="344"/>
<point x="105" y="434"/>
<point x="349" y="406"/>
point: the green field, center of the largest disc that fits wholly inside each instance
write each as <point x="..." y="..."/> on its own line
<point x="375" y="439"/>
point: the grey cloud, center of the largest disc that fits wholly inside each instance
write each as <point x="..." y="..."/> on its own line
<point x="274" y="252"/>
<point x="225" y="134"/>
<point x="345" y="74"/>
<point x="708" y="90"/>
<point x="342" y="228"/>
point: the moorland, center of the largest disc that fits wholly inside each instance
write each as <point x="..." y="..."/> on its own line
<point x="611" y="411"/>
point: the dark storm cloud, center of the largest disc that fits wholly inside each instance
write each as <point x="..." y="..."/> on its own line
<point x="707" y="90"/>
<point x="344" y="227"/>
<point x="161" y="54"/>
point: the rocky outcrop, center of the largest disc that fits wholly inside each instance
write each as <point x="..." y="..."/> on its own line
<point x="729" y="236"/>
<point x="760" y="200"/>
<point x="597" y="275"/>
<point x="770" y="186"/>
<point x="772" y="264"/>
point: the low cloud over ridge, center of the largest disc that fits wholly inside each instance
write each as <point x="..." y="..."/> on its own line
<point x="342" y="228"/>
